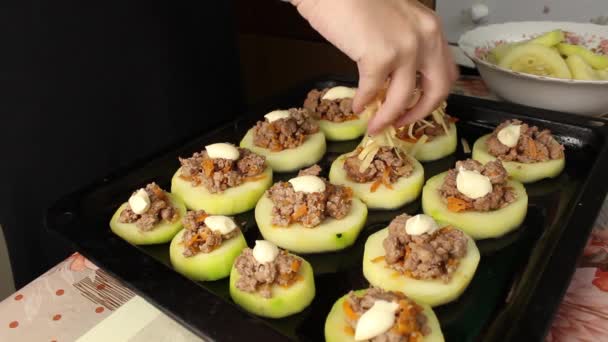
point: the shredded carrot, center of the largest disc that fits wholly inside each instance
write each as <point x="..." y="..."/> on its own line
<point x="351" y="117"/>
<point x="299" y="212"/>
<point x="201" y="218"/>
<point x="378" y="259"/>
<point x="295" y="265"/>
<point x="254" y="178"/>
<point x="386" y="180"/>
<point x="349" y="311"/>
<point x="453" y="119"/>
<point x="348" y="330"/>
<point x="208" y="167"/>
<point x="375" y="185"/>
<point x="292" y="281"/>
<point x="456" y="204"/>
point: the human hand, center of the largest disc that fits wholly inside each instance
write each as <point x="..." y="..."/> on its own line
<point x="388" y="39"/>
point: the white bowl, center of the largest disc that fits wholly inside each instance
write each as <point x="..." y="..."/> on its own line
<point x="571" y="96"/>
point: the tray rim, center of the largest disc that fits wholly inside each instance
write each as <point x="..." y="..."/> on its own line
<point x="587" y="199"/>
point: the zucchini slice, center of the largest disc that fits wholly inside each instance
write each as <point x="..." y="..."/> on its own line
<point x="478" y="225"/>
<point x="206" y="266"/>
<point x="232" y="201"/>
<point x="336" y="326"/>
<point x="331" y="235"/>
<point x="525" y="173"/>
<point x="284" y="301"/>
<point x="404" y="191"/>
<point x="162" y="233"/>
<point x="310" y="152"/>
<point x="432" y="292"/>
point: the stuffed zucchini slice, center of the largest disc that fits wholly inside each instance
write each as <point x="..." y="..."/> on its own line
<point x="479" y="199"/>
<point x="289" y="139"/>
<point x="414" y="255"/>
<point x="207" y="246"/>
<point x="333" y="109"/>
<point x="270" y="282"/>
<point x="376" y="314"/>
<point x="528" y="153"/>
<point x="151" y="216"/>
<point x="222" y="179"/>
<point x="380" y="173"/>
<point x="308" y="214"/>
<point x="431" y="138"/>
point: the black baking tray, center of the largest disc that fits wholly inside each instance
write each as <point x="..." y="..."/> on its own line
<point x="518" y="286"/>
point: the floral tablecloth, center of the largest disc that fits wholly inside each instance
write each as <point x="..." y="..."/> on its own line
<point x="77" y="301"/>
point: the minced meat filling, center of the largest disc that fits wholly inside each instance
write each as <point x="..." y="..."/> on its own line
<point x="198" y="238"/>
<point x="220" y="174"/>
<point x="338" y="110"/>
<point x="256" y="277"/>
<point x="501" y="194"/>
<point x="160" y="210"/>
<point x="285" y="133"/>
<point x="426" y="256"/>
<point x="411" y="324"/>
<point x="534" y="145"/>
<point x="309" y="209"/>
<point x="429" y="127"/>
<point x="388" y="166"/>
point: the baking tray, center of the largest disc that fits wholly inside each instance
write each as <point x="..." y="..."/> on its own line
<point x="518" y="285"/>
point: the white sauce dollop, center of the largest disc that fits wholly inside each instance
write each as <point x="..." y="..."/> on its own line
<point x="339" y="93"/>
<point x="277" y="115"/>
<point x="509" y="136"/>
<point x="376" y="321"/>
<point x="222" y="150"/>
<point x="308" y="184"/>
<point x="420" y="224"/>
<point x="265" y="251"/>
<point x="139" y="202"/>
<point x="473" y="184"/>
<point x="221" y="224"/>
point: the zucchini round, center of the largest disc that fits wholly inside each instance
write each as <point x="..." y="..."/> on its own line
<point x="331" y="235"/>
<point x="206" y="266"/>
<point x="232" y="201"/>
<point x="161" y="233"/>
<point x="404" y="191"/>
<point x="478" y="225"/>
<point x="525" y="173"/>
<point x="335" y="324"/>
<point x="284" y="301"/>
<point x="432" y="292"/>
<point x="439" y="147"/>
<point x="310" y="152"/>
<point x="346" y="130"/>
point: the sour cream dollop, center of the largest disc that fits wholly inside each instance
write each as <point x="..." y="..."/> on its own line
<point x="221" y="224"/>
<point x="509" y="136"/>
<point x="376" y="321"/>
<point x="420" y="224"/>
<point x="139" y="202"/>
<point x="473" y="184"/>
<point x="308" y="184"/>
<point x="339" y="92"/>
<point x="265" y="251"/>
<point x="277" y="115"/>
<point x="222" y="150"/>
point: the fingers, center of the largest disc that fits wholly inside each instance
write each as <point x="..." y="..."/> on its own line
<point x="403" y="82"/>
<point x="371" y="81"/>
<point x="435" y="90"/>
